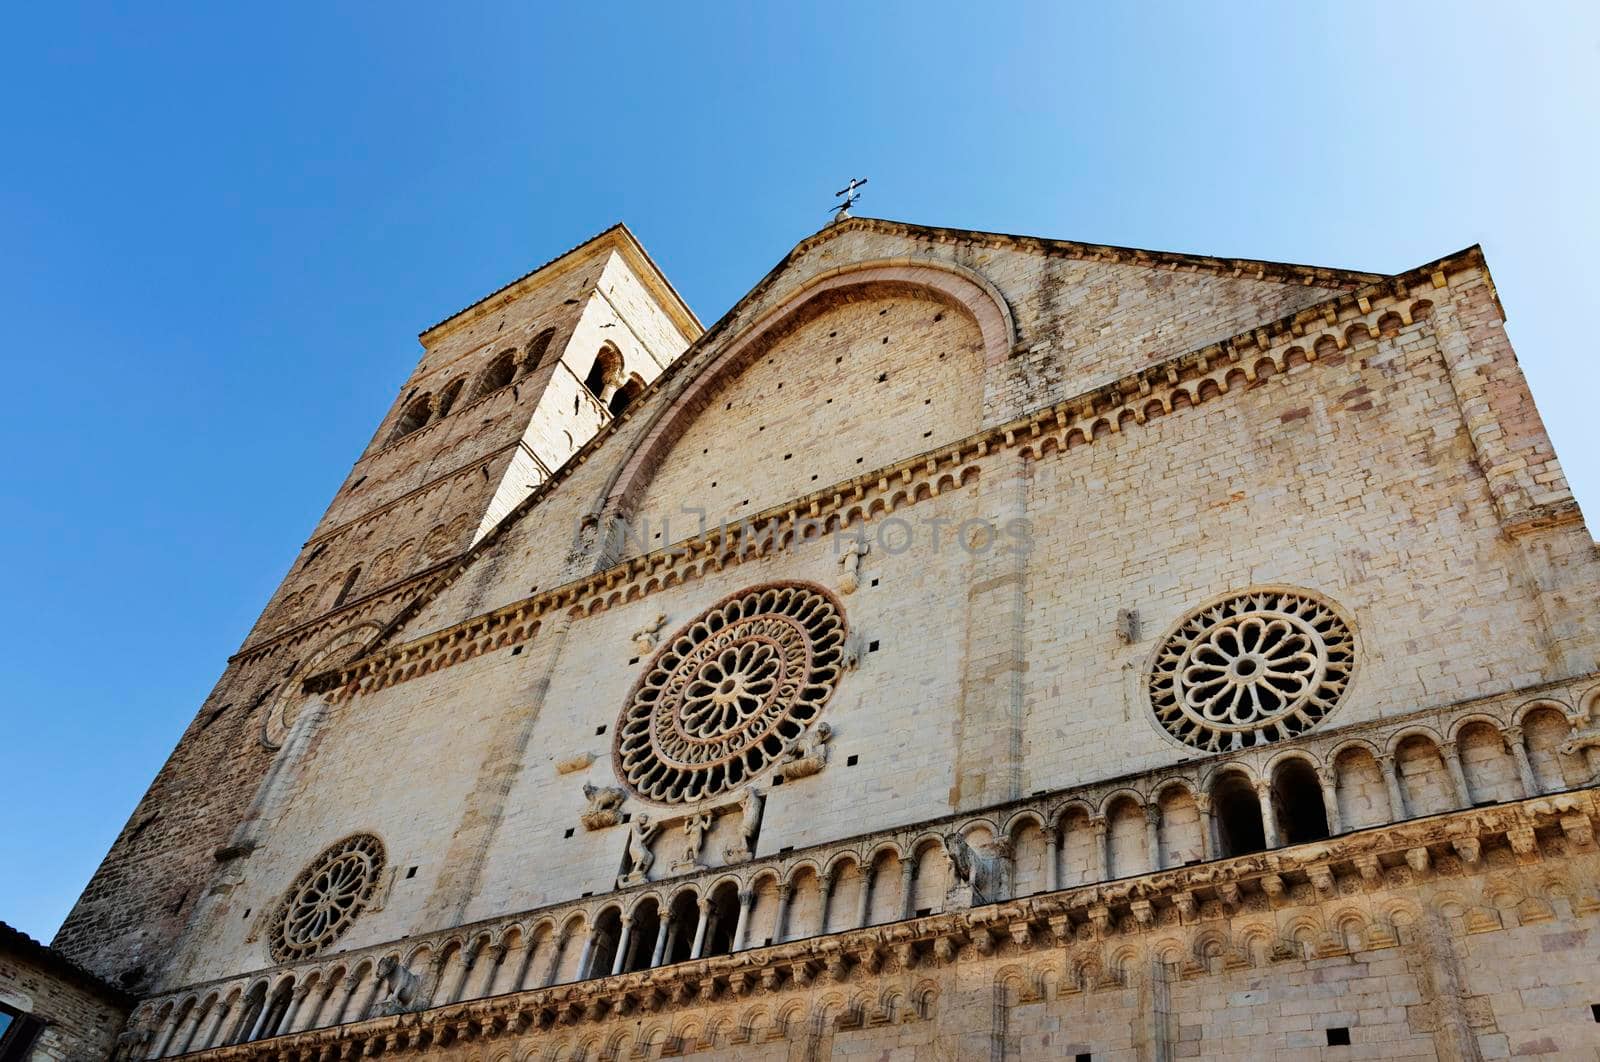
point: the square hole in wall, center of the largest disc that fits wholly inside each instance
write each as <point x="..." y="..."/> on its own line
<point x="627" y="817"/>
<point x="786" y="849"/>
<point x="569" y="832"/>
<point x="516" y="650"/>
<point x="926" y="434"/>
<point x="1594" y="1009"/>
<point x="924" y="912"/>
<point x="1338" y="1036"/>
<point x="852" y="760"/>
<point x="874" y="582"/>
<point x="411" y="872"/>
<point x="247" y="912"/>
<point x="601" y="729"/>
<point x="1083" y="1056"/>
<point x="632" y="660"/>
<point x="778" y="780"/>
<point x="787" y="456"/>
<point x="872" y="647"/>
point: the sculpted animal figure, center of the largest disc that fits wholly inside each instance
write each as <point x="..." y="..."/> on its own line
<point x="809" y="753"/>
<point x="985" y="874"/>
<point x="402" y="987"/>
<point x="604" y="805"/>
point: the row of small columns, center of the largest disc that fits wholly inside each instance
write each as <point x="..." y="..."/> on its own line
<point x="178" y="1038"/>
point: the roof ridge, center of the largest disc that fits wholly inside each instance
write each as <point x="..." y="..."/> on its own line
<point x="615" y="227"/>
<point x="1098" y="251"/>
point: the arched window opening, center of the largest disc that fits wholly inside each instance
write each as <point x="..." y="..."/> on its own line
<point x="1297" y="802"/>
<point x="722" y="920"/>
<point x="535" y="354"/>
<point x="1238" y="816"/>
<point x="349" y="584"/>
<point x="603" y="943"/>
<point x="680" y="931"/>
<point x="447" y="397"/>
<point x="499" y="373"/>
<point x="625" y="395"/>
<point x="605" y="374"/>
<point x="250" y="1015"/>
<point x="642" y="937"/>
<point x="414" y="417"/>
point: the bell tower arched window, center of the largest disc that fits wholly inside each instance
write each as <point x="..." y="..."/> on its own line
<point x="499" y="373"/>
<point x="605" y="374"/>
<point x="413" y="418"/>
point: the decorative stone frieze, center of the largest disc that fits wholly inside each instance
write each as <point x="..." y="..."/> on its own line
<point x="1296" y="889"/>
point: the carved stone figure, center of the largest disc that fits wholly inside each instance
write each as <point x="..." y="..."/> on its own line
<point x="401" y="996"/>
<point x="1580" y="742"/>
<point x="646" y="638"/>
<point x="850" y="561"/>
<point x="605" y="802"/>
<point x="854" y="646"/>
<point x="808" y="755"/>
<point x="640" y="857"/>
<point x="978" y="878"/>
<point x="744" y="846"/>
<point x="694" y="836"/>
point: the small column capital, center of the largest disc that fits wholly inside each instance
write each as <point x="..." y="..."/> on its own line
<point x="746" y="898"/>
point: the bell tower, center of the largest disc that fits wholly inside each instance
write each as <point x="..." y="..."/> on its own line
<point x="505" y="392"/>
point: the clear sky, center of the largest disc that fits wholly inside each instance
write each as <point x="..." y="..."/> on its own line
<point x="222" y="226"/>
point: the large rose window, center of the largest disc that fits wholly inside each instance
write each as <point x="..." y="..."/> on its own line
<point x="730" y="693"/>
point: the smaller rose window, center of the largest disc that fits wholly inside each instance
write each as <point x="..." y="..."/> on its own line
<point x="326" y="897"/>
<point x="1252" y="669"/>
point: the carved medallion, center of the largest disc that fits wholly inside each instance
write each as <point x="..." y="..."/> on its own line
<point x="326" y="897"/>
<point x="1251" y="669"/>
<point x="730" y="693"/>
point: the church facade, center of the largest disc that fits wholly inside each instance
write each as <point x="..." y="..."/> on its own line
<point x="971" y="646"/>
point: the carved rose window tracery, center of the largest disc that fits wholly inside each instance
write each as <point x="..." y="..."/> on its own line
<point x="1250" y="669"/>
<point x="326" y="897"/>
<point x="730" y="693"/>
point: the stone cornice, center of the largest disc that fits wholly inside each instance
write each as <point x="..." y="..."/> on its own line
<point x="1384" y="857"/>
<point x="1254" y="269"/>
<point x="620" y="239"/>
<point x="417" y="491"/>
<point x="1190" y="379"/>
<point x="340" y="616"/>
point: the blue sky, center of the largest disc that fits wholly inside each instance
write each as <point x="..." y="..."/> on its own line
<point x="222" y="226"/>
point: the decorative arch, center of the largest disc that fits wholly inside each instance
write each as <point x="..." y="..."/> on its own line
<point x="954" y="284"/>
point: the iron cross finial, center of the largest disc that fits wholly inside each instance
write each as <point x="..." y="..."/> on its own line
<point x="850" y="196"/>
